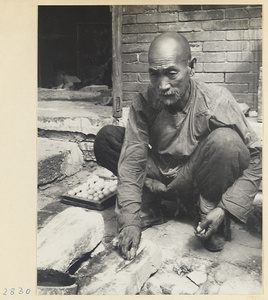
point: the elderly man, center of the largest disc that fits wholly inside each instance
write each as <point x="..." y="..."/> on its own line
<point x="183" y="139"/>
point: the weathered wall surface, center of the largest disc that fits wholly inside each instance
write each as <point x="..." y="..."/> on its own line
<point x="225" y="39"/>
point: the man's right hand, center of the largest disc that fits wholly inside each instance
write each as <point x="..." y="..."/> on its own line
<point x="128" y="241"/>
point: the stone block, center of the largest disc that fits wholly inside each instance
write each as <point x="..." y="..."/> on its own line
<point x="244" y="56"/>
<point x="130" y="77"/>
<point x="110" y="274"/>
<point x="157" y="18"/>
<point x="210" y="77"/>
<point x="129" y="19"/>
<point x="255" y="12"/>
<point x="239" y="13"/>
<point x="67" y="237"/>
<point x="144" y="77"/>
<point x="208" y="57"/>
<point x="146" y="37"/>
<point x="164" y="8"/>
<point x="238" y="35"/>
<point x="138" y="9"/>
<point x="143" y="57"/>
<point x="226" y="46"/>
<point x="130" y="48"/>
<point x="255" y="45"/>
<point x="201" y="15"/>
<point x="226" y="67"/>
<point x="129" y="96"/>
<point x="141" y="28"/>
<point x="129" y="38"/>
<point x="239" y="78"/>
<point x="135" y="68"/>
<point x="205" y="36"/>
<point x="57" y="160"/>
<point x="129" y="58"/>
<point x="255" y="23"/>
<point x="225" y="24"/>
<point x="180" y="27"/>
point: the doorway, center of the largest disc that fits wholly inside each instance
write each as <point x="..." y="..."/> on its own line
<point x="75" y="40"/>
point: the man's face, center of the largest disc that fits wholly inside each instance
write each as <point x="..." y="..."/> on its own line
<point x="170" y="76"/>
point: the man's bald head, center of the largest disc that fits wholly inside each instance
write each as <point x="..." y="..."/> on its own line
<point x="170" y="44"/>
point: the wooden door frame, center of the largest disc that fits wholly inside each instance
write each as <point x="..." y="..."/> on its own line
<point x="117" y="60"/>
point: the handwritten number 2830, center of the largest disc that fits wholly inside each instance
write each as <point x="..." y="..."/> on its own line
<point x="12" y="291"/>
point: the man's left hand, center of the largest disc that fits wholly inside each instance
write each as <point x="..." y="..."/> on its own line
<point x="210" y="224"/>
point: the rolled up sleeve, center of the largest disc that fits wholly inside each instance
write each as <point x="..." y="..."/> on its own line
<point x="132" y="166"/>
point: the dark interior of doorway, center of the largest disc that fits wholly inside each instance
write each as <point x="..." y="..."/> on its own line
<point x="76" y="40"/>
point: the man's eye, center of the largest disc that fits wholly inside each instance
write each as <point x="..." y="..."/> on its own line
<point x="173" y="73"/>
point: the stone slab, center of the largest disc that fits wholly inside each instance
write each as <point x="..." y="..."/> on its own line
<point x="110" y="274"/>
<point x="57" y="159"/>
<point x="67" y="237"/>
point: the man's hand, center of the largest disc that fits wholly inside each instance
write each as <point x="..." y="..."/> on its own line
<point x="155" y="186"/>
<point x="210" y="224"/>
<point x="128" y="241"/>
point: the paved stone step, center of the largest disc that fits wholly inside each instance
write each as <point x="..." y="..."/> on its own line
<point x="57" y="159"/>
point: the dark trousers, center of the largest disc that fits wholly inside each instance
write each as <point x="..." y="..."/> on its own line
<point x="213" y="167"/>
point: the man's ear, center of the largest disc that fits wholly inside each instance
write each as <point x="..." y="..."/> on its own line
<point x="192" y="66"/>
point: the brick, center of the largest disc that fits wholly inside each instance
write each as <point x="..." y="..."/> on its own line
<point x="210" y="77"/>
<point x="255" y="67"/>
<point x="129" y="38"/>
<point x="208" y="57"/>
<point x="146" y="38"/>
<point x="226" y="46"/>
<point x="196" y="46"/>
<point x="239" y="78"/>
<point x="199" y="67"/>
<point x="134" y="86"/>
<point x="156" y="18"/>
<point x="189" y="7"/>
<point x="130" y="77"/>
<point x="225" y="25"/>
<point x="129" y="96"/>
<point x="255" y="12"/>
<point x="129" y="58"/>
<point x="112" y="275"/>
<point x="244" y="56"/>
<point x="201" y="15"/>
<point x="138" y="9"/>
<point x="180" y="27"/>
<point x="253" y="85"/>
<point x="139" y="28"/>
<point x="143" y="57"/>
<point x="251" y="34"/>
<point x="205" y="36"/>
<point x="165" y="8"/>
<point x="205" y="7"/>
<point x="130" y="48"/>
<point x="129" y="19"/>
<point x="67" y="237"/>
<point x="226" y="67"/>
<point x="255" y="23"/>
<point x="237" y="88"/>
<point x="135" y="68"/>
<point x="240" y="13"/>
<point x="144" y="77"/>
<point x="255" y="46"/>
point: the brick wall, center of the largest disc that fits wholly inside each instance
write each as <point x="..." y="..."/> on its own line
<point x="226" y="40"/>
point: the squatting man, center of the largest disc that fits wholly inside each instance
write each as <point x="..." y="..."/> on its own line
<point x="185" y="141"/>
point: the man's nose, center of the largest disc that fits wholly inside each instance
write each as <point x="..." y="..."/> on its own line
<point x="164" y="84"/>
